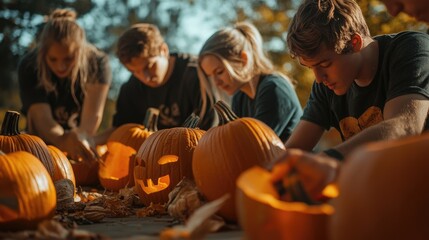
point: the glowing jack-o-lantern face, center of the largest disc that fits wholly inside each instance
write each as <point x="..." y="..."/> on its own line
<point x="117" y="169"/>
<point x="162" y="161"/>
<point x="151" y="186"/>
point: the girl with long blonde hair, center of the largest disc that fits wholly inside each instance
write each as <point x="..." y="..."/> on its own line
<point x="64" y="83"/>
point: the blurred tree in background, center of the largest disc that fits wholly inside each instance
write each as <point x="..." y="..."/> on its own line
<point x="185" y="25"/>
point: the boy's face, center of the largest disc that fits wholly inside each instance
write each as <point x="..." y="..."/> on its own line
<point x="150" y="71"/>
<point x="418" y="9"/>
<point x="336" y="71"/>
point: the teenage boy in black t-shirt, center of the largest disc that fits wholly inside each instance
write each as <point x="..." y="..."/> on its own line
<point x="368" y="88"/>
<point x="160" y="80"/>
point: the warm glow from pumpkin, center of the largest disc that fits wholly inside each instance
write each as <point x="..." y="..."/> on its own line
<point x="150" y="187"/>
<point x="168" y="159"/>
<point x="162" y="161"/>
<point x="117" y="169"/>
<point x="263" y="215"/>
<point x="162" y="182"/>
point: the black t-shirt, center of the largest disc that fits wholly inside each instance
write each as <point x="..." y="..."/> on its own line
<point x="275" y="103"/>
<point x="403" y="68"/>
<point x="178" y="98"/>
<point x="65" y="110"/>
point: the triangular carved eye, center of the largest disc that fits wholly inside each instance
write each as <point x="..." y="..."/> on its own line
<point x="168" y="159"/>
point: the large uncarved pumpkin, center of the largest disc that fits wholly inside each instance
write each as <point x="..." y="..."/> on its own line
<point x="117" y="168"/>
<point x="27" y="193"/>
<point x="227" y="150"/>
<point x="262" y="215"/>
<point x="12" y="140"/>
<point x="163" y="160"/>
<point x="384" y="192"/>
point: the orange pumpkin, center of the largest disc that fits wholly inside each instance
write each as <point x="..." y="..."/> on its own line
<point x="262" y="215"/>
<point x="163" y="160"/>
<point x="11" y="140"/>
<point x="117" y="169"/>
<point x="63" y="168"/>
<point x="225" y="151"/>
<point x="27" y="193"/>
<point x="384" y="192"/>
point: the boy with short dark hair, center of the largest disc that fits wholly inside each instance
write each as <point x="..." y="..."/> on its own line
<point x="368" y="88"/>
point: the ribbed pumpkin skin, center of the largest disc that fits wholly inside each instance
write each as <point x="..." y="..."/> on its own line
<point x="11" y="140"/>
<point x="63" y="168"/>
<point x="225" y="151"/>
<point x="262" y="215"/>
<point x="118" y="168"/>
<point x="180" y="142"/>
<point x="384" y="192"/>
<point x="27" y="194"/>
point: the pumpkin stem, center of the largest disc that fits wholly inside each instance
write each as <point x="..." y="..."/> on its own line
<point x="151" y="119"/>
<point x="9" y="126"/>
<point x="191" y="121"/>
<point x="224" y="112"/>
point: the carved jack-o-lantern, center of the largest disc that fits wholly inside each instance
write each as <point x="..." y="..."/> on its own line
<point x="163" y="160"/>
<point x="27" y="193"/>
<point x="263" y="215"/>
<point x="117" y="168"/>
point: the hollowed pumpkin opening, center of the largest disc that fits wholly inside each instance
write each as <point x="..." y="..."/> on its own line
<point x="113" y="169"/>
<point x="263" y="215"/>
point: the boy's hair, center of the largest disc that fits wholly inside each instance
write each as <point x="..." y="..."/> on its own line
<point x="140" y="40"/>
<point x="329" y="23"/>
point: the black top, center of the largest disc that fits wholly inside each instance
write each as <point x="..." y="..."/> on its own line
<point x="64" y="108"/>
<point x="178" y="98"/>
<point x="275" y="103"/>
<point x="403" y="69"/>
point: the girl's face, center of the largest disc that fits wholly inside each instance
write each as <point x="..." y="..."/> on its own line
<point x="150" y="71"/>
<point x="61" y="59"/>
<point x="215" y="70"/>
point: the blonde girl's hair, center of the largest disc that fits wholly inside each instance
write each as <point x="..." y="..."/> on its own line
<point x="227" y="44"/>
<point x="61" y="27"/>
<point x="330" y="23"/>
<point x="140" y="40"/>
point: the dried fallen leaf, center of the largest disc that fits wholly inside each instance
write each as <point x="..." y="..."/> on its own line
<point x="151" y="210"/>
<point x="51" y="229"/>
<point x="199" y="224"/>
<point x="184" y="199"/>
<point x="94" y="216"/>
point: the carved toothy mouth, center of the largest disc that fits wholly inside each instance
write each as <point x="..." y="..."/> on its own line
<point x="150" y="187"/>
